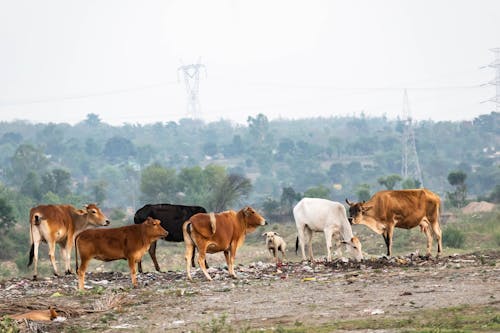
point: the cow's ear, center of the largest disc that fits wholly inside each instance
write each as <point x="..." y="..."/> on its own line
<point x="246" y="211"/>
<point x="366" y="208"/>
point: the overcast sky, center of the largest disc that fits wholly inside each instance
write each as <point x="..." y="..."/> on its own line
<point x="61" y="59"/>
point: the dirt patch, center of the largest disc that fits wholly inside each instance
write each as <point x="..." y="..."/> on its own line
<point x="265" y="295"/>
<point x="478" y="207"/>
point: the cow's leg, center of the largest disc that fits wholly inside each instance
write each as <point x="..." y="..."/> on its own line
<point x="232" y="255"/>
<point x="81" y="271"/>
<point x="308" y="239"/>
<point x="152" y="253"/>
<point x="302" y="239"/>
<point x="424" y="226"/>
<point x="67" y="255"/>
<point x="328" y="239"/>
<point x="133" y="272"/>
<point x="437" y="231"/>
<point x="388" y="238"/>
<point x="188" y="255"/>
<point x="36" y="244"/>
<point x="228" y="262"/>
<point x="201" y="261"/>
<point x="52" y="256"/>
<point x="63" y="252"/>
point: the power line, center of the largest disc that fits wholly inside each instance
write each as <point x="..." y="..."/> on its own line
<point x="81" y="96"/>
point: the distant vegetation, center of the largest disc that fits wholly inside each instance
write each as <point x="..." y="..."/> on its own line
<point x="220" y="165"/>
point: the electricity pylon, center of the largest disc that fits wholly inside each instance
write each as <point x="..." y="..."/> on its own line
<point x="410" y="166"/>
<point x="192" y="82"/>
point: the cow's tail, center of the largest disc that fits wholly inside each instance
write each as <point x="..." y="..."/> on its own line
<point x="76" y="254"/>
<point x="213" y="223"/>
<point x="297" y="245"/>
<point x="32" y="241"/>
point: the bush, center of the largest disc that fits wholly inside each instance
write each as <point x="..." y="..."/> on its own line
<point x="453" y="238"/>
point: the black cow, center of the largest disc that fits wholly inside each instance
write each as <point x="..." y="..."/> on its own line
<point x="172" y="217"/>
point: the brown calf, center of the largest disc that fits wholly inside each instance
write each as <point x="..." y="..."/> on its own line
<point x="129" y="243"/>
<point x="222" y="232"/>
<point x="60" y="224"/>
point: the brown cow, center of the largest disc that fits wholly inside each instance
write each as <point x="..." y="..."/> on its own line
<point x="212" y="233"/>
<point x="129" y="242"/>
<point x="60" y="224"/>
<point x="402" y="209"/>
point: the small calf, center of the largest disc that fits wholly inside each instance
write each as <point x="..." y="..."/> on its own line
<point x="129" y="243"/>
<point x="274" y="244"/>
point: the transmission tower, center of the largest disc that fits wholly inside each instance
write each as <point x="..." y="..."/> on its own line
<point x="192" y="81"/>
<point x="410" y="167"/>
<point x="496" y="81"/>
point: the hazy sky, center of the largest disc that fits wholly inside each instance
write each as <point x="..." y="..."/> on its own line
<point x="62" y="59"/>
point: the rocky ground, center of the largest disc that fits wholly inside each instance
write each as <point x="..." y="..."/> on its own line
<point x="266" y="296"/>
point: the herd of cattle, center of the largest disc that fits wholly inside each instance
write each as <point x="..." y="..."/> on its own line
<point x="223" y="232"/>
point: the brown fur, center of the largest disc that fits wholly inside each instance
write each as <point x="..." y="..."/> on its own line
<point x="60" y="224"/>
<point x="128" y="242"/>
<point x="228" y="236"/>
<point x="40" y="315"/>
<point x="406" y="209"/>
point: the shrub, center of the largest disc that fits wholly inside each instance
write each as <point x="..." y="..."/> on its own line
<point x="453" y="238"/>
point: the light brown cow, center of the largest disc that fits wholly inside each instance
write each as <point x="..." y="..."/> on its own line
<point x="402" y="209"/>
<point x="60" y="224"/>
<point x="129" y="242"/>
<point x="222" y="232"/>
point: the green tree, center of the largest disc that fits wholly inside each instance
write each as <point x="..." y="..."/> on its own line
<point x="458" y="197"/>
<point x="57" y="181"/>
<point x="318" y="192"/>
<point x="288" y="199"/>
<point x="363" y="192"/>
<point x="92" y="120"/>
<point x="7" y="219"/>
<point x="158" y="184"/>
<point x="26" y="159"/>
<point x="259" y="127"/>
<point x="31" y="186"/>
<point x="229" y="191"/>
<point x="390" y="181"/>
<point x="410" y="183"/>
<point x="119" y="148"/>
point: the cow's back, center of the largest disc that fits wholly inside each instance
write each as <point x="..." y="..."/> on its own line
<point x="225" y="226"/>
<point x="172" y="217"/>
<point x="413" y="204"/>
<point x="316" y="213"/>
<point x="57" y="217"/>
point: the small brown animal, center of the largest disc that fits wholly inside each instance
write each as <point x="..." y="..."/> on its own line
<point x="129" y="242"/>
<point x="222" y="232"/>
<point x="41" y="315"/>
<point x="274" y="244"/>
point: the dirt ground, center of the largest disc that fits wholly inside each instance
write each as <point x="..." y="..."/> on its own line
<point x="265" y="296"/>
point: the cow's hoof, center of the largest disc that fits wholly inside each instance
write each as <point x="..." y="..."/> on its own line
<point x="69" y="273"/>
<point x="34" y="278"/>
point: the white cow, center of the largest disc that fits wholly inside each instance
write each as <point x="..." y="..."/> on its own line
<point x="315" y="214"/>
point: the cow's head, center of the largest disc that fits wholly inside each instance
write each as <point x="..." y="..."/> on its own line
<point x="356" y="211"/>
<point x="153" y="229"/>
<point x="252" y="218"/>
<point x="95" y="216"/>
<point x="270" y="237"/>
<point x="354" y="246"/>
